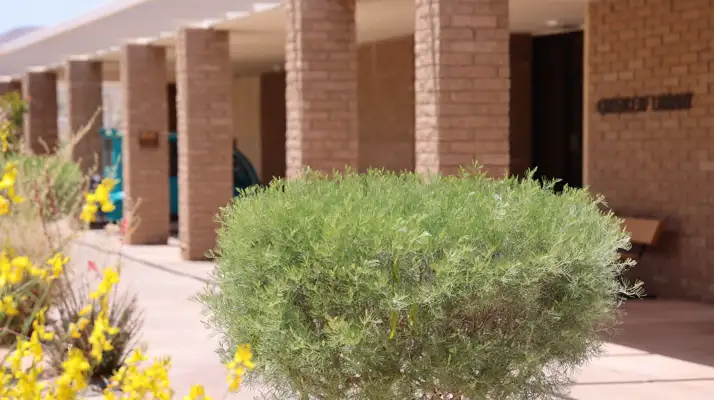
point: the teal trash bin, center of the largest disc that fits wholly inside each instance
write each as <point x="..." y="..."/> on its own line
<point x="244" y="174"/>
<point x="112" y="168"/>
<point x="173" y="174"/>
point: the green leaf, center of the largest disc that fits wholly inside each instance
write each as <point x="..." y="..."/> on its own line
<point x="392" y="324"/>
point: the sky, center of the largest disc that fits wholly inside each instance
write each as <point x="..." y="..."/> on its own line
<point x="16" y="13"/>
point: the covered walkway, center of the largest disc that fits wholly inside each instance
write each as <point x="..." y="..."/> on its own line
<point x="427" y="85"/>
<point x="301" y="83"/>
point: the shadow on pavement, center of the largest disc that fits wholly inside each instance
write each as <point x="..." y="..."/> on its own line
<point x="676" y="329"/>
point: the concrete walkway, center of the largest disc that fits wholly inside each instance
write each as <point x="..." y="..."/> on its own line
<point x="666" y="350"/>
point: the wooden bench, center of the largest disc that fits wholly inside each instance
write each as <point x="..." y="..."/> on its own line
<point x="644" y="233"/>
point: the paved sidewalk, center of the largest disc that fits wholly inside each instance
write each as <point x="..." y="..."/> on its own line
<point x="666" y="351"/>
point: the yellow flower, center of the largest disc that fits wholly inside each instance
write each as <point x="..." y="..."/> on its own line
<point x="101" y="194"/>
<point x="16" y="357"/>
<point x="4" y="206"/>
<point x="108" y="207"/>
<point x="22" y="262"/>
<point x="89" y="213"/>
<point x="13" y="272"/>
<point x="34" y="347"/>
<point x="109" y="184"/>
<point x="39" y="272"/>
<point x="136" y="357"/>
<point x="15" y="198"/>
<point x="152" y="382"/>
<point x="234" y="380"/>
<point x="7" y="183"/>
<point x="75" y="364"/>
<point x="57" y="262"/>
<point x="4" y="383"/>
<point x="112" y="331"/>
<point x="85" y="310"/>
<point x="242" y="361"/>
<point x="197" y="392"/>
<point x="73" y="378"/>
<point x="74" y="332"/>
<point x="118" y="377"/>
<point x="8" y="306"/>
<point x="9" y="177"/>
<point x="109" y="279"/>
<point x="38" y="325"/>
<point x="98" y="338"/>
<point x="90" y="197"/>
<point x="245" y="355"/>
<point x="97" y="200"/>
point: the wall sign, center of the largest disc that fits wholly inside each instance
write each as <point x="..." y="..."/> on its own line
<point x="149" y="140"/>
<point x="635" y="104"/>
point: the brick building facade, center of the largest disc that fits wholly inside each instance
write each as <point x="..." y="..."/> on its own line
<point x="656" y="163"/>
<point x="460" y="84"/>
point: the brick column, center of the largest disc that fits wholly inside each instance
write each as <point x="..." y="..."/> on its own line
<point x="40" y="130"/>
<point x="84" y="100"/>
<point x="146" y="168"/>
<point x="462" y="85"/>
<point x="204" y="81"/>
<point x="10" y="86"/>
<point x="321" y="93"/>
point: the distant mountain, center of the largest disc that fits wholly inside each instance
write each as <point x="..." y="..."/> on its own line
<point x="13" y="34"/>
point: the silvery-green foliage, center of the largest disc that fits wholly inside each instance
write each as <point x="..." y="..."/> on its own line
<point x="386" y="286"/>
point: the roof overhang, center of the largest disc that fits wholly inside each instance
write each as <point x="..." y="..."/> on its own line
<point x="257" y="26"/>
<point x="103" y="30"/>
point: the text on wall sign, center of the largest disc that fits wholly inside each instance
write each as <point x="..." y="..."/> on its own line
<point x="636" y="104"/>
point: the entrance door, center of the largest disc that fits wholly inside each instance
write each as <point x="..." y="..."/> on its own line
<point x="558" y="107"/>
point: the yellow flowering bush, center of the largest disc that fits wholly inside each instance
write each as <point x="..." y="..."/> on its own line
<point x="7" y="188"/>
<point x="22" y="370"/>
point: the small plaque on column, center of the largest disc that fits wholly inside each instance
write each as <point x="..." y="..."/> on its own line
<point x="149" y="140"/>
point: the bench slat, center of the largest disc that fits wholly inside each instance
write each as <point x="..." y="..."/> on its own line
<point x="644" y="232"/>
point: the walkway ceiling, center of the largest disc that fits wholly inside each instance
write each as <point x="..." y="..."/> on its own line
<point x="258" y="29"/>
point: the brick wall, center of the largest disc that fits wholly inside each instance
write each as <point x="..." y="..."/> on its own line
<point x="462" y="85"/>
<point x="386" y="104"/>
<point x="656" y="163"/>
<point x="204" y="78"/>
<point x="84" y="102"/>
<point x="40" y="130"/>
<point x="385" y="109"/>
<point x="146" y="169"/>
<point x="9" y="87"/>
<point x="386" y="112"/>
<point x="321" y="93"/>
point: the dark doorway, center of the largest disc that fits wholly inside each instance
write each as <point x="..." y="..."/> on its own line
<point x="272" y="125"/>
<point x="558" y="107"/>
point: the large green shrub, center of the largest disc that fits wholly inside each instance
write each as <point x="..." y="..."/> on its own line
<point x="384" y="286"/>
